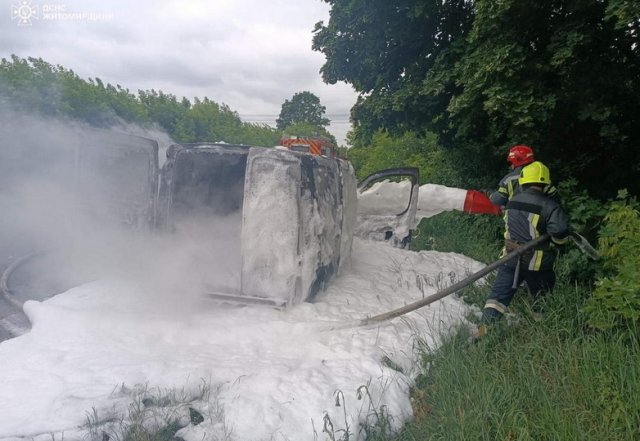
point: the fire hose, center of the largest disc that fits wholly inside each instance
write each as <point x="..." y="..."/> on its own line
<point x="455" y="287"/>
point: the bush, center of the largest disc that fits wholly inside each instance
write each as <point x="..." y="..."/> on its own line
<point x="407" y="150"/>
<point x="586" y="214"/>
<point x="616" y="299"/>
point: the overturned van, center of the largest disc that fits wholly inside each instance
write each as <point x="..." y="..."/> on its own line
<point x="283" y="220"/>
<point x="262" y="225"/>
<point x="291" y="216"/>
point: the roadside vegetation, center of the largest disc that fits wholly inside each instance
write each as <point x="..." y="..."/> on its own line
<point x="574" y="374"/>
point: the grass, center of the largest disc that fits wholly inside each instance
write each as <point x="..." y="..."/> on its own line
<point x="546" y="380"/>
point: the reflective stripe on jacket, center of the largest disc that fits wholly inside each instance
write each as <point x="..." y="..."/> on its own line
<point x="529" y="214"/>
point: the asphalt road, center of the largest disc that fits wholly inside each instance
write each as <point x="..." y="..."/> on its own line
<point x="12" y="321"/>
<point x="37" y="278"/>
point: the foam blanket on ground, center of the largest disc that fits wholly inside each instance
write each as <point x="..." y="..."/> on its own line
<point x="98" y="354"/>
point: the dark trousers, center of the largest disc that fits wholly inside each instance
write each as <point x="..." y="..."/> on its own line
<point x="502" y="292"/>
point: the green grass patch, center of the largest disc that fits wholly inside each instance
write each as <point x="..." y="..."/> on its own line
<point x="552" y="379"/>
<point x="476" y="236"/>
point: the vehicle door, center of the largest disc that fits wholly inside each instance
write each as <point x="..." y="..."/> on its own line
<point x="387" y="204"/>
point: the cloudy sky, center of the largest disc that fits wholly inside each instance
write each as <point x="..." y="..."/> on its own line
<point x="249" y="54"/>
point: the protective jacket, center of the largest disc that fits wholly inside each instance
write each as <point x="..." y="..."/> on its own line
<point x="530" y="214"/>
<point x="508" y="186"/>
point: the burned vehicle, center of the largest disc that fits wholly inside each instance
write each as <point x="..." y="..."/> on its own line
<point x="293" y="215"/>
<point x="280" y="222"/>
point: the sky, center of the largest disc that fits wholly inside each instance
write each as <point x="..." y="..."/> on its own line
<point x="249" y="54"/>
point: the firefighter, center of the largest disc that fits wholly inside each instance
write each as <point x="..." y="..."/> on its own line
<point x="518" y="157"/>
<point x="530" y="213"/>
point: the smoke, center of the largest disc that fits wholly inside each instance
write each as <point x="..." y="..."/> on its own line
<point x="154" y="132"/>
<point x="87" y="197"/>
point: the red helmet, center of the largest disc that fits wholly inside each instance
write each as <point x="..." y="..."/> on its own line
<point x="520" y="155"/>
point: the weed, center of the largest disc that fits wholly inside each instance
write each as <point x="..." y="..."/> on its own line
<point x="377" y="425"/>
<point x="374" y="419"/>
<point x="158" y="415"/>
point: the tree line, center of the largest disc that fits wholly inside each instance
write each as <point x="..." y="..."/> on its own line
<point x="34" y="85"/>
<point x="560" y="75"/>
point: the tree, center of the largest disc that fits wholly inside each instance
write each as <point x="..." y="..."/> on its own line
<point x="385" y="51"/>
<point x="303" y="107"/>
<point x="557" y="75"/>
<point x="163" y="108"/>
<point x="304" y="129"/>
<point x="561" y="75"/>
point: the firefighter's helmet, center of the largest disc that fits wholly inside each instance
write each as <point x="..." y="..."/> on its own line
<point x="520" y="155"/>
<point x="535" y="173"/>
